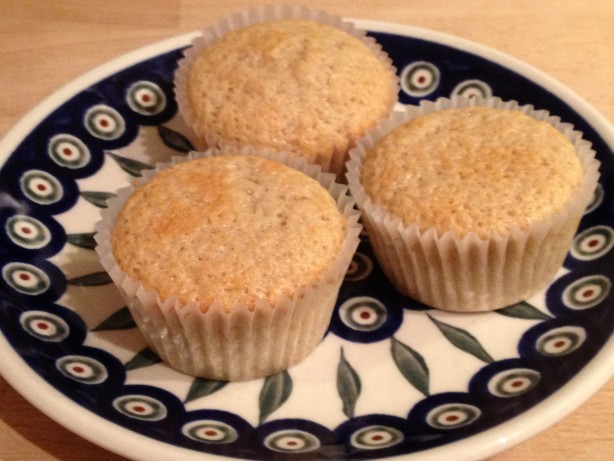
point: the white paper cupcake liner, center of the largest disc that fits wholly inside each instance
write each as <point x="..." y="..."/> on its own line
<point x="471" y="274"/>
<point x="238" y="344"/>
<point x="332" y="161"/>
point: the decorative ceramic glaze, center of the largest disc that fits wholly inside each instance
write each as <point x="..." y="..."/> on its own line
<point x="391" y="377"/>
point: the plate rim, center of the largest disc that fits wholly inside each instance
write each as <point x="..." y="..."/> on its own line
<point x="80" y="421"/>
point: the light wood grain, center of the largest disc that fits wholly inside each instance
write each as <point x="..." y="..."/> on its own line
<point x="46" y="44"/>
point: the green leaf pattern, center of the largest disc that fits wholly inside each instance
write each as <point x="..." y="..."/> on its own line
<point x="98" y="199"/>
<point x="463" y="340"/>
<point x="411" y="365"/>
<point x="201" y="387"/>
<point x="175" y="140"/>
<point x="144" y="358"/>
<point x="274" y="393"/>
<point x="91" y="280"/>
<point x="523" y="310"/>
<point x="129" y="165"/>
<point x="85" y="240"/>
<point x="119" y="320"/>
<point x="348" y="385"/>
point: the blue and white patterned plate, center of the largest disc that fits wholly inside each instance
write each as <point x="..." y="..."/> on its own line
<point x="391" y="377"/>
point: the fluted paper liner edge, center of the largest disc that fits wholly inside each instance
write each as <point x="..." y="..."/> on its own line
<point x="335" y="161"/>
<point x="471" y="274"/>
<point x="239" y="344"/>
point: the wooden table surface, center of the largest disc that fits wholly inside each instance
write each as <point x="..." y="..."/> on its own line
<point x="46" y="44"/>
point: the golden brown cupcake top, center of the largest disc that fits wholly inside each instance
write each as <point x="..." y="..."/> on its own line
<point x="230" y="229"/>
<point x="290" y="84"/>
<point x="473" y="169"/>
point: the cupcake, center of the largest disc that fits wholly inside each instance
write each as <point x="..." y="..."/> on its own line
<point x="230" y="263"/>
<point x="286" y="78"/>
<point x="471" y="205"/>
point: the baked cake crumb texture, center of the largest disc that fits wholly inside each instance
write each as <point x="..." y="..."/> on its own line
<point x="289" y="84"/>
<point x="474" y="169"/>
<point x="228" y="228"/>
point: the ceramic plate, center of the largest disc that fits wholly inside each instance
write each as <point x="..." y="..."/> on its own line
<point x="391" y="378"/>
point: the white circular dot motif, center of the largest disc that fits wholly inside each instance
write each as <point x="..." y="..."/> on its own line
<point x="292" y="441"/>
<point x="26" y="278"/>
<point x="452" y="415"/>
<point x="363" y="313"/>
<point x="27" y="232"/>
<point x="68" y="151"/>
<point x="597" y="200"/>
<point x="210" y="431"/>
<point x="419" y="78"/>
<point x="40" y="187"/>
<point x="586" y="292"/>
<point x="374" y="437"/>
<point x="44" y="326"/>
<point x="360" y="268"/>
<point x="146" y="98"/>
<point x="472" y="89"/>
<point x="140" y="407"/>
<point x="510" y="383"/>
<point x="560" y="341"/>
<point x="82" y="369"/>
<point x="104" y="122"/>
<point x="593" y="243"/>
